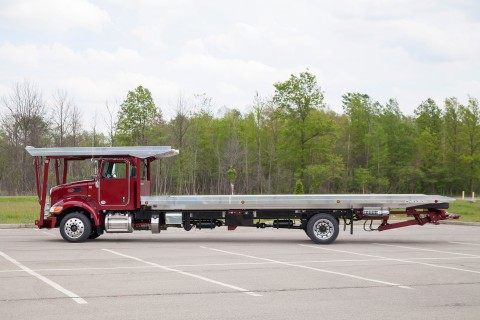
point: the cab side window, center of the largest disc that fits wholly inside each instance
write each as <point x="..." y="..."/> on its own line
<point x="115" y="170"/>
<point x="133" y="171"/>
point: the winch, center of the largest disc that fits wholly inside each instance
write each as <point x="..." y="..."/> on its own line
<point x="376" y="212"/>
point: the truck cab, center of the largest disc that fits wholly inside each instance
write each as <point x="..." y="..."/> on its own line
<point x="121" y="177"/>
<point x="114" y="186"/>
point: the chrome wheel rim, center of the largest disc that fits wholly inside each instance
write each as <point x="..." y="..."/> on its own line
<point x="74" y="228"/>
<point x="323" y="229"/>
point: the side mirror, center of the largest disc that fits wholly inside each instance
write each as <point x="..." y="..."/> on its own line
<point x="95" y="176"/>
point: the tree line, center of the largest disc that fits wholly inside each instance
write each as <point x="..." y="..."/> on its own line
<point x="289" y="138"/>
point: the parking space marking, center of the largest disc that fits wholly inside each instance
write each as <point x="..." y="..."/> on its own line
<point x="310" y="268"/>
<point x="429" y="250"/>
<point x="466" y="243"/>
<point x="251" y="293"/>
<point x="54" y="285"/>
<point x="232" y="264"/>
<point x="392" y="259"/>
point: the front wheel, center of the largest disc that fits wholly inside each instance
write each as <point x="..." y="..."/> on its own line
<point x="75" y="227"/>
<point x="94" y="234"/>
<point x="322" y="228"/>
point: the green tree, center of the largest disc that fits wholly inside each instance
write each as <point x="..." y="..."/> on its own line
<point x="137" y="116"/>
<point x="398" y="148"/>
<point x="470" y="136"/>
<point x="204" y="160"/>
<point x="361" y="112"/>
<point x="429" y="142"/>
<point x="453" y="149"/>
<point x="366" y="141"/>
<point x="299" y="187"/>
<point x="362" y="178"/>
<point x="298" y="98"/>
<point x="429" y="117"/>
<point x="327" y="176"/>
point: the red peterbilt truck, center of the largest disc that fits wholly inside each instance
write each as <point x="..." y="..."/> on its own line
<point x="117" y="199"/>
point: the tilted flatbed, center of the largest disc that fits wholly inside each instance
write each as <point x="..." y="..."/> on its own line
<point x="117" y="200"/>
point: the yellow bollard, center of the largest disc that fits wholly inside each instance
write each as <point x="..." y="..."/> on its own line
<point x="463" y="195"/>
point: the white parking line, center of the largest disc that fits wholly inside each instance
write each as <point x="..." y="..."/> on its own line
<point x="310" y="268"/>
<point x="201" y="265"/>
<point x="392" y="259"/>
<point x="429" y="250"/>
<point x="187" y="274"/>
<point x="54" y="285"/>
<point x="466" y="243"/>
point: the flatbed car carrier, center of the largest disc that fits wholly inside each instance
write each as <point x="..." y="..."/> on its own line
<point x="117" y="200"/>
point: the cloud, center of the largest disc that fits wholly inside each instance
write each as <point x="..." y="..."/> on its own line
<point x="226" y="68"/>
<point x="152" y="35"/>
<point x="95" y="91"/>
<point x="231" y="81"/>
<point x="120" y="55"/>
<point x="405" y="49"/>
<point x="53" y="15"/>
<point x="26" y="54"/>
<point x="57" y="54"/>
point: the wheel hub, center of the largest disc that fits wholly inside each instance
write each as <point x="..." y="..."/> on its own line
<point x="323" y="229"/>
<point x="74" y="228"/>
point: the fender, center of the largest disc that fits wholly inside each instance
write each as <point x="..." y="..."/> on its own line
<point x="81" y="202"/>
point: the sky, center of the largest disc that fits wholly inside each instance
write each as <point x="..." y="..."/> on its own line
<point x="97" y="51"/>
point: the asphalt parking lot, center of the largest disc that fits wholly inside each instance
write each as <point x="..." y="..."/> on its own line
<point x="411" y="273"/>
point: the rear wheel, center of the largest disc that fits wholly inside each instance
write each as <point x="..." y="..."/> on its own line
<point x="322" y="228"/>
<point x="75" y="227"/>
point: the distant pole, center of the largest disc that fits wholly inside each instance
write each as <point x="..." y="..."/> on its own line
<point x="463" y="195"/>
<point x="473" y="196"/>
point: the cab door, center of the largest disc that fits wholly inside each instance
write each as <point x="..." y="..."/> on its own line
<point x="114" y="185"/>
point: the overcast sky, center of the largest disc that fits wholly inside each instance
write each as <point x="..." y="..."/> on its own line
<point x="98" y="50"/>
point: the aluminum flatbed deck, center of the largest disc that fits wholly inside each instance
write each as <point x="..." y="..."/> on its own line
<point x="292" y="202"/>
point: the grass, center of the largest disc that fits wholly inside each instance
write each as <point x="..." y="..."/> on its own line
<point x="26" y="210"/>
<point x="469" y="211"/>
<point x="19" y="210"/>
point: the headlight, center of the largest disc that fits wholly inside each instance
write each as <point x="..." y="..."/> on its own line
<point x="56" y="209"/>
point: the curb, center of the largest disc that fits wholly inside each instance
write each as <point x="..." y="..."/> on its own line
<point x="17" y="226"/>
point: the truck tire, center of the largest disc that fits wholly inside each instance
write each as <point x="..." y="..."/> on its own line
<point x="75" y="227"/>
<point x="94" y="234"/>
<point x="322" y="228"/>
